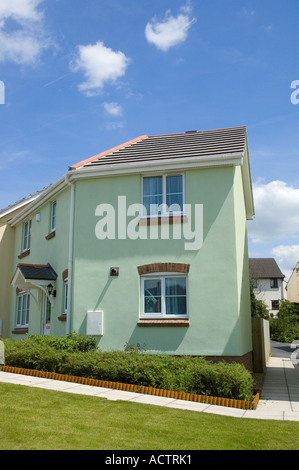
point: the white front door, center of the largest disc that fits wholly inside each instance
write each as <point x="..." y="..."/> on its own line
<point x="46" y="316"/>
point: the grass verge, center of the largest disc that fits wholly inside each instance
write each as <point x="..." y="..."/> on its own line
<point x="35" y="419"/>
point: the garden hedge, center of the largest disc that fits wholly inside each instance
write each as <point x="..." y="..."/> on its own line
<point x="78" y="356"/>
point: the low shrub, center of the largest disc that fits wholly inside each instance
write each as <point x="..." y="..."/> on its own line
<point x="73" y="342"/>
<point x="78" y="356"/>
<point x="285" y="326"/>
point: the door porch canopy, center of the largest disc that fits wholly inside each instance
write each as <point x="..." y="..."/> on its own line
<point x="35" y="276"/>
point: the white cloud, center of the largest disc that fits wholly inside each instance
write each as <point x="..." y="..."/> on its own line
<point x="277" y="212"/>
<point x="248" y="12"/>
<point x="287" y="257"/>
<point x="113" y="108"/>
<point x="100" y="65"/>
<point x="171" y="31"/>
<point x="112" y="126"/>
<point x="20" y="10"/>
<point x="24" y="42"/>
<point x="19" y="47"/>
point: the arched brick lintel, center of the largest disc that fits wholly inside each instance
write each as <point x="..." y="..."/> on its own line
<point x="163" y="268"/>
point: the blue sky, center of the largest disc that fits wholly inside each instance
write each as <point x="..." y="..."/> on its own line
<point x="82" y="76"/>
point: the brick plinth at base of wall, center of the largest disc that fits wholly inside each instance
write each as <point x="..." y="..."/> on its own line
<point x="246" y="360"/>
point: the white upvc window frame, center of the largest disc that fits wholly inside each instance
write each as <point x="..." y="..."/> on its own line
<point x="23" y="309"/>
<point x="161" y="277"/>
<point x="53" y="216"/>
<point x="26" y="239"/>
<point x="165" y="212"/>
<point x="65" y="295"/>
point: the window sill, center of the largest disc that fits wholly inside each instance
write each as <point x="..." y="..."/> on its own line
<point x="20" y="331"/>
<point x="62" y="317"/>
<point x="163" y="220"/>
<point x="24" y="254"/>
<point x="158" y="322"/>
<point x="51" y="235"/>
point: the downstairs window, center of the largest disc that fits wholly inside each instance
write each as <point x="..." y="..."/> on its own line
<point x="164" y="296"/>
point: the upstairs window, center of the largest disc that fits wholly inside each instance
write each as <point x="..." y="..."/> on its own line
<point x="26" y="236"/>
<point x="163" y="195"/>
<point x="274" y="283"/>
<point x="53" y="217"/>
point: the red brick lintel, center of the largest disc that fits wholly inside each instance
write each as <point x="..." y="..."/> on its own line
<point x="163" y="268"/>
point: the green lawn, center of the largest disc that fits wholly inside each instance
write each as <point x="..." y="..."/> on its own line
<point x="37" y="419"/>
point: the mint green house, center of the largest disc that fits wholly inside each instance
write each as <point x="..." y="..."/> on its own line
<point x="145" y="244"/>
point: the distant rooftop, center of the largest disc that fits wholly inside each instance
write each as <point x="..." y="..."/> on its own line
<point x="264" y="268"/>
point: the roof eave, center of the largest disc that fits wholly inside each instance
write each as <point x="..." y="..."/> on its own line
<point x="37" y="203"/>
<point x="247" y="183"/>
<point x="233" y="159"/>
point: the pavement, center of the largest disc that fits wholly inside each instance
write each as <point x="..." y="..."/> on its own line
<point x="279" y="397"/>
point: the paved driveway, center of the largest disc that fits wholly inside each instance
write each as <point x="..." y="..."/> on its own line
<point x="281" y="349"/>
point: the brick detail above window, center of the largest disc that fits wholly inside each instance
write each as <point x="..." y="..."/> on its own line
<point x="65" y="274"/>
<point x="163" y="268"/>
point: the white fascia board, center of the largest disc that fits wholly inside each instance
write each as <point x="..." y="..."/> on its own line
<point x="16" y="275"/>
<point x="230" y="159"/>
<point x="18" y="206"/>
<point x="53" y="190"/>
<point x="247" y="184"/>
<point x="156" y="165"/>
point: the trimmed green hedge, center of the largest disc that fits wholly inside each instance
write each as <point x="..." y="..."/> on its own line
<point x="78" y="356"/>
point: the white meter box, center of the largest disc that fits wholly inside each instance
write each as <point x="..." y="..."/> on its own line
<point x="94" y="323"/>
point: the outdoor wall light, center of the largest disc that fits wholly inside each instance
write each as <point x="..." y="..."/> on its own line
<point x="114" y="271"/>
<point x="52" y="292"/>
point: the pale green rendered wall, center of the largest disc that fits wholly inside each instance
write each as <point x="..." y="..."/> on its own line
<point x="219" y="309"/>
<point x="242" y="266"/>
<point x="219" y="304"/>
<point x="42" y="251"/>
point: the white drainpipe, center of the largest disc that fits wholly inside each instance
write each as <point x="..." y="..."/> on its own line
<point x="70" y="260"/>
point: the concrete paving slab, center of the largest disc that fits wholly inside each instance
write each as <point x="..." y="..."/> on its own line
<point x="153" y="400"/>
<point x="225" y="411"/>
<point x="89" y="390"/>
<point x="55" y="385"/>
<point x="188" y="405"/>
<point x="112" y="394"/>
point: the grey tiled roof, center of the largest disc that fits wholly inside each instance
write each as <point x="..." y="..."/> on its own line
<point x="22" y="201"/>
<point x="264" y="268"/>
<point x="176" y="146"/>
<point x="38" y="271"/>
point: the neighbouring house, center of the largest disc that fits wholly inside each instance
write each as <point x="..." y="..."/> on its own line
<point x="293" y="285"/>
<point x="268" y="282"/>
<point x="144" y="244"/>
<point x="7" y="257"/>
